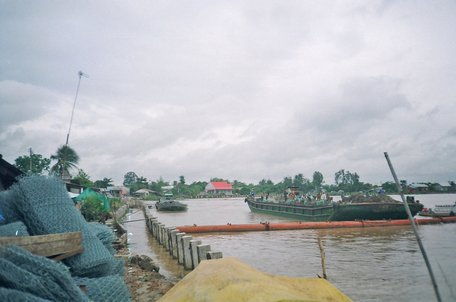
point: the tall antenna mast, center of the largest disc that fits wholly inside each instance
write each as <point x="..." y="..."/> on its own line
<point x="80" y="74"/>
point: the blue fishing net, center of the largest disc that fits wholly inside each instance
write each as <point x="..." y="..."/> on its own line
<point x="8" y="208"/>
<point x="13" y="229"/>
<point x="37" y="275"/>
<point x="40" y="206"/>
<point x="46" y="208"/>
<point x="105" y="234"/>
<point x="109" y="288"/>
<point x="12" y="295"/>
<point x="117" y="267"/>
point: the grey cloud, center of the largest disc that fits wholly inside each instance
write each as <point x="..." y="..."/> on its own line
<point x="361" y="104"/>
<point x="247" y="90"/>
<point x="21" y="102"/>
<point x="372" y="98"/>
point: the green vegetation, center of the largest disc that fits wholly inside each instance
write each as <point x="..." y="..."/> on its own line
<point x="67" y="159"/>
<point x="33" y="164"/>
<point x="104" y="183"/>
<point x="115" y="203"/>
<point x="345" y="181"/>
<point x="97" y="207"/>
<point x="92" y="208"/>
<point x="83" y="179"/>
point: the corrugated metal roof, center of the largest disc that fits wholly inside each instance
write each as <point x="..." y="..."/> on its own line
<point x="221" y="185"/>
<point x="418" y="185"/>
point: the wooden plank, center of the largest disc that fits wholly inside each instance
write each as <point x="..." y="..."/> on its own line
<point x="47" y="245"/>
<point x="68" y="254"/>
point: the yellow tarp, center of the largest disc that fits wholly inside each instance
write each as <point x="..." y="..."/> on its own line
<point x="228" y="279"/>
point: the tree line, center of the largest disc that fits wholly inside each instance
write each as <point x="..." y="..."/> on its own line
<point x="346" y="182"/>
<point x="66" y="160"/>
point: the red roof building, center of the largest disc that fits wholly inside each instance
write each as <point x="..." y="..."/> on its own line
<point x="219" y="187"/>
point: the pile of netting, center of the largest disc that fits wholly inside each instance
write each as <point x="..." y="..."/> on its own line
<point x="38" y="205"/>
<point x="359" y="198"/>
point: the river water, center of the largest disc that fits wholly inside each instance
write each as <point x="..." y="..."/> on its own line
<point x="367" y="264"/>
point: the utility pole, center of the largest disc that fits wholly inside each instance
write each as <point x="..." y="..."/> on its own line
<point x="31" y="153"/>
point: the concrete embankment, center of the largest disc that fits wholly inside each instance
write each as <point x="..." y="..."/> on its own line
<point x="118" y="216"/>
<point x="181" y="246"/>
<point x="308" y="225"/>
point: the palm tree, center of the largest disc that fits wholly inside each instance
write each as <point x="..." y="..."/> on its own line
<point x="67" y="159"/>
<point x="104" y="183"/>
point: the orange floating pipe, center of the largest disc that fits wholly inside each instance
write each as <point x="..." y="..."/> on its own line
<point x="255" y="227"/>
<point x="221" y="228"/>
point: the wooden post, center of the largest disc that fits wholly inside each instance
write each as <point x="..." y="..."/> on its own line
<point x="187" y="255"/>
<point x="322" y="256"/>
<point x="180" y="249"/>
<point x="214" y="255"/>
<point x="155" y="228"/>
<point x="168" y="244"/>
<point x="194" y="252"/>
<point x="161" y="234"/>
<point x="202" y="252"/>
<point x="173" y="250"/>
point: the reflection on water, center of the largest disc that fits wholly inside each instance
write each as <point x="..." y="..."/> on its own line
<point x="368" y="264"/>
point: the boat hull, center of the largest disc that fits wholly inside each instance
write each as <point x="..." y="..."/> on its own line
<point x="292" y="211"/>
<point x="373" y="211"/>
<point x="335" y="211"/>
<point x="445" y="210"/>
<point x="434" y="215"/>
<point x="170" y="206"/>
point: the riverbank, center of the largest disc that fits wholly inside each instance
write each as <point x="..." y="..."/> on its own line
<point x="142" y="275"/>
<point x="144" y="282"/>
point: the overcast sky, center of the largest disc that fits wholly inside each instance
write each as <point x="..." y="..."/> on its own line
<point x="244" y="90"/>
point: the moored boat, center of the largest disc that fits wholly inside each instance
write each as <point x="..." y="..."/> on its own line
<point x="169" y="204"/>
<point x="357" y="207"/>
<point x="443" y="210"/>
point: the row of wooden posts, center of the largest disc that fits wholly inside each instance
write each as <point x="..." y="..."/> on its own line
<point x="189" y="252"/>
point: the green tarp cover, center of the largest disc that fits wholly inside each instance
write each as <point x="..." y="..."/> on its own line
<point x="89" y="193"/>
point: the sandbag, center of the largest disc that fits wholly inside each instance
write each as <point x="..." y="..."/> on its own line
<point x="228" y="279"/>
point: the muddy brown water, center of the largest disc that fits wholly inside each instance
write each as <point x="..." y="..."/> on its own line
<point x="367" y="264"/>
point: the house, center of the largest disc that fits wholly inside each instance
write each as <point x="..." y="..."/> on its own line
<point x="417" y="188"/>
<point x="219" y="187"/>
<point x="118" y="191"/>
<point x="441" y="187"/>
<point x="73" y="189"/>
<point x="143" y="193"/>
